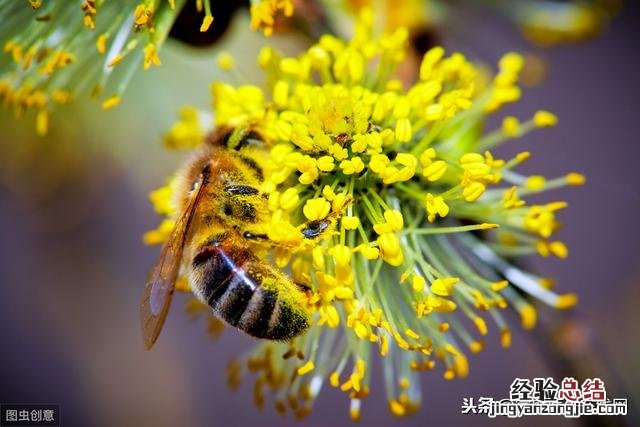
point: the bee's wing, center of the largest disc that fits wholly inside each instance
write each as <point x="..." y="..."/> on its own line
<point x="158" y="290"/>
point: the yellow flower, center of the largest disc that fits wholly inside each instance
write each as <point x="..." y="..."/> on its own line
<point x="401" y="188"/>
<point x="390" y="249"/>
<point x="544" y="119"/>
<point x="118" y="30"/>
<point x="443" y="286"/>
<point x="435" y="206"/>
<point x="316" y="209"/>
<point x="263" y="13"/>
<point x="187" y="132"/>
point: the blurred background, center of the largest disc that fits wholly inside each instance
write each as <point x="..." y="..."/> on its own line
<point x="73" y="208"/>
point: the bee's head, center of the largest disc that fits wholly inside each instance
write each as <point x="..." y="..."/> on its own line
<point x="200" y="170"/>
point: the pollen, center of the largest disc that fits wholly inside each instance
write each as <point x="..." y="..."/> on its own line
<point x="511" y="127"/>
<point x="225" y="61"/>
<point x="390" y="248"/>
<point x="101" y="43"/>
<point x="444" y="286"/>
<point x="206" y="23"/>
<point x="306" y="368"/>
<point x="566" y="301"/>
<point x="575" y="179"/>
<point x="381" y="205"/>
<point x="111" y="102"/>
<point x="350" y="223"/>
<point x="528" y="316"/>
<point x="150" y="56"/>
<point x="543" y="119"/>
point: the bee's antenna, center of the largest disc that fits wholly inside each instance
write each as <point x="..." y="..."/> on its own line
<point x="206" y="172"/>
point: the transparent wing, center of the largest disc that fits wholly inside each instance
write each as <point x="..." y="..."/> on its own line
<point x="158" y="291"/>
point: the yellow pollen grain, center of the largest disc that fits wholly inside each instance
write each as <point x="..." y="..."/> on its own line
<point x="566" y="301"/>
<point x="559" y="249"/>
<point x="350" y="222"/>
<point x="316" y="209"/>
<point x="61" y="96"/>
<point x="544" y="119"/>
<point x="306" y="368"/>
<point x="361" y="330"/>
<point x="417" y="283"/>
<point x="355" y="381"/>
<point x="116" y="60"/>
<point x="505" y="338"/>
<point x="182" y="285"/>
<point x="110" y="102"/>
<point x="346" y="386"/>
<point x="289" y="199"/>
<point x="89" y="22"/>
<point x="461" y="365"/>
<point x="206" y="23"/>
<point x="411" y="333"/>
<point x="318" y="258"/>
<point x="334" y="379"/>
<point x="225" y="61"/>
<point x="396" y="408"/>
<point x="403" y="130"/>
<point x="444" y="286"/>
<point x="480" y="324"/>
<point x="511" y="127"/>
<point x="384" y="345"/>
<point x="488" y="226"/>
<point x="536" y="182"/>
<point x="394" y="219"/>
<point x="473" y="191"/>
<point x="326" y="163"/>
<point x="547" y="282"/>
<point x="476" y="346"/>
<point x="528" y="316"/>
<point x="435" y="170"/>
<point x="101" y="43"/>
<point x="42" y="122"/>
<point x="575" y="179"/>
<point x="354" y="414"/>
<point x="498" y="286"/>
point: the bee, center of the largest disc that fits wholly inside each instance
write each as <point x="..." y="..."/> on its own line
<point x="219" y="242"/>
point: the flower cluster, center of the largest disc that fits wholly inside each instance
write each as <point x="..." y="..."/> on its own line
<point x="55" y="51"/>
<point x="416" y="268"/>
<point x="545" y="23"/>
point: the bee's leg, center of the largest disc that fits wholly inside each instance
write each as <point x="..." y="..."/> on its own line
<point x="320" y="228"/>
<point x="254" y="236"/>
<point x="317" y="228"/>
<point x="303" y="286"/>
<point x="311" y="230"/>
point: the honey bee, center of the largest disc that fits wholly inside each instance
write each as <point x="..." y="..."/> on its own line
<point x="219" y="242"/>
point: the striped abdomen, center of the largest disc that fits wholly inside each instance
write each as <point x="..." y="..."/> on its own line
<point x="248" y="293"/>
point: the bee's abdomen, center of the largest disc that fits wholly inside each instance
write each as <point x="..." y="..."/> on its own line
<point x="233" y="287"/>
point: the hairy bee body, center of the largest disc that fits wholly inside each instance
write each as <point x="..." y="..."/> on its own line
<point x="246" y="292"/>
<point x="220" y="241"/>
